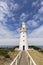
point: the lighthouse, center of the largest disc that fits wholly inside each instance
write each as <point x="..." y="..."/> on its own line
<point x="23" y="37"/>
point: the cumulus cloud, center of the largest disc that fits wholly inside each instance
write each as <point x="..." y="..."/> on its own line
<point x="8" y="37"/>
<point x="41" y="10"/>
<point x="23" y="16"/>
<point x="35" y="41"/>
<point x="3" y="11"/>
<point x="2" y="16"/>
<point x="41" y="3"/>
<point x="32" y="23"/>
<point x="37" y="33"/>
<point x="7" y="9"/>
<point x="4" y="32"/>
<point x="3" y="7"/>
<point x="14" y="6"/>
<point x="39" y="15"/>
<point x="36" y="16"/>
<point x="36" y="3"/>
<point x="7" y="42"/>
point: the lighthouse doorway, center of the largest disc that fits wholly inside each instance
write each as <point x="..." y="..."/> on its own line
<point x="23" y="47"/>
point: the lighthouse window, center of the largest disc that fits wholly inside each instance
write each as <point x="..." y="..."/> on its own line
<point x="23" y="40"/>
<point x="23" y="28"/>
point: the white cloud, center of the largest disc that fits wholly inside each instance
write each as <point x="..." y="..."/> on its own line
<point x="7" y="11"/>
<point x="5" y="33"/>
<point x="37" y="33"/>
<point x="18" y="30"/>
<point x="14" y="6"/>
<point x="23" y="16"/>
<point x="13" y="19"/>
<point x="35" y="41"/>
<point x="39" y="15"/>
<point x="15" y="41"/>
<point x="3" y="7"/>
<point x="36" y="3"/>
<point x="36" y="16"/>
<point x="32" y="23"/>
<point x="41" y="18"/>
<point x="2" y="16"/>
<point x="8" y="37"/>
<point x="42" y="3"/>
<point x="8" y="42"/>
<point x="3" y="11"/>
<point x="41" y="10"/>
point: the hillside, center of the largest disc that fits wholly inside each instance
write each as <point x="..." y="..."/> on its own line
<point x="7" y="55"/>
<point x="37" y="56"/>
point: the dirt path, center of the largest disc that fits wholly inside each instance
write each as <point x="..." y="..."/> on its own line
<point x="24" y="59"/>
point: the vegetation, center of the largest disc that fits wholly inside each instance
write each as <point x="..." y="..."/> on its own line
<point x="7" y="55"/>
<point x="37" y="48"/>
<point x="37" y="54"/>
<point x="4" y="52"/>
<point x="37" y="57"/>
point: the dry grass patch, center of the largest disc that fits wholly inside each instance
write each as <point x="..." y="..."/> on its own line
<point x="37" y="57"/>
<point x="7" y="55"/>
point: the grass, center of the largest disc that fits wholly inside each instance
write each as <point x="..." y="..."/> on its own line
<point x="37" y="48"/>
<point x="37" y="56"/>
<point x="7" y="55"/>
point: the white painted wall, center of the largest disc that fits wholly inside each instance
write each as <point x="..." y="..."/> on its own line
<point x="23" y="36"/>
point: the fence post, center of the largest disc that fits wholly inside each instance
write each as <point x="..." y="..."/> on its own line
<point x="16" y="62"/>
<point x="30" y="61"/>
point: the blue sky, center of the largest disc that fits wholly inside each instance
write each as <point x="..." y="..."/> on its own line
<point x="13" y="13"/>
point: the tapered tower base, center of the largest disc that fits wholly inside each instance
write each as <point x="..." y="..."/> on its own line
<point x="23" y="38"/>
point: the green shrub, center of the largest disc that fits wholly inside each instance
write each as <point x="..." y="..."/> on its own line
<point x="6" y="56"/>
<point x="4" y="53"/>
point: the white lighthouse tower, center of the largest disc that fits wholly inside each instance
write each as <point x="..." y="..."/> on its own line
<point x="23" y="38"/>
